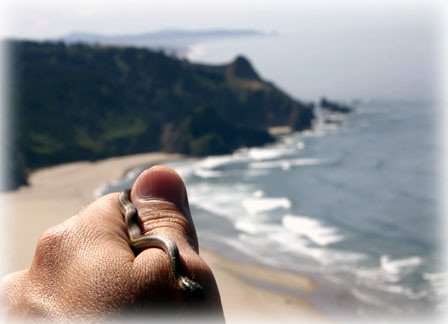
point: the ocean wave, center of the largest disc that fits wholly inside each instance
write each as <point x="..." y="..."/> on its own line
<point x="263" y="235"/>
<point x="403" y="291"/>
<point x="290" y="242"/>
<point x="375" y="278"/>
<point x="212" y="162"/>
<point x="266" y="153"/>
<point x="212" y="166"/>
<point x="255" y="172"/>
<point x="257" y="205"/>
<point x="399" y="266"/>
<point x="438" y="283"/>
<point x="439" y="289"/>
<point x="254" y="227"/>
<point x="440" y="278"/>
<point x="293" y="142"/>
<point x="312" y="229"/>
<point x="206" y="173"/>
<point x="372" y="283"/>
<point x="373" y="275"/>
<point x="209" y="167"/>
<point x="220" y="200"/>
<point x="285" y="164"/>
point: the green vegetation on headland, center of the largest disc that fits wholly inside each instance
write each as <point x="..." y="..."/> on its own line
<point x="82" y="102"/>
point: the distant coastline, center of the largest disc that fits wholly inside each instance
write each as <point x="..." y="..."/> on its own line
<point x="176" y="42"/>
<point x="98" y="102"/>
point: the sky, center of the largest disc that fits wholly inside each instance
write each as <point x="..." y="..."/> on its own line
<point x="53" y="18"/>
<point x="319" y="25"/>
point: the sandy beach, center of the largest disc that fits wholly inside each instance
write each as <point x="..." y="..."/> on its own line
<point x="59" y="192"/>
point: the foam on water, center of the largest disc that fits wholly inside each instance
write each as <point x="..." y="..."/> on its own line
<point x="207" y="173"/>
<point x="312" y="229"/>
<point x="255" y="227"/>
<point x="439" y="283"/>
<point x="213" y="162"/>
<point x="218" y="200"/>
<point x="258" y="193"/>
<point x="378" y="282"/>
<point x="257" y="205"/>
<point x="268" y="153"/>
<point x="296" y="244"/>
<point x="255" y="172"/>
<point x="403" y="291"/>
<point x="284" y="164"/>
<point x="399" y="266"/>
<point x="373" y="275"/>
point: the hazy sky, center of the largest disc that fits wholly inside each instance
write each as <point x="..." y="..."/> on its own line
<point x="386" y="48"/>
<point x="53" y="18"/>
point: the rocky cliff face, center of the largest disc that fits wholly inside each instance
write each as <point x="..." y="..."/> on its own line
<point x="241" y="68"/>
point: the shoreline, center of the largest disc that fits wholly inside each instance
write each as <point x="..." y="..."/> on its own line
<point x="58" y="192"/>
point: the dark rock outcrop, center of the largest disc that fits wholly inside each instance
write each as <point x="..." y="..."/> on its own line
<point x="334" y="106"/>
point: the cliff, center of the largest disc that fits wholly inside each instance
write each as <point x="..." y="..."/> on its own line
<point x="82" y="102"/>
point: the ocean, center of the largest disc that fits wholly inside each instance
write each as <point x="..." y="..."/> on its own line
<point x="354" y="203"/>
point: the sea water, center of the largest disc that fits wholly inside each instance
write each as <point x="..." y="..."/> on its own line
<point x="355" y="203"/>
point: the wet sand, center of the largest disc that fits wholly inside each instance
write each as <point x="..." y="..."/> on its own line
<point x="56" y="193"/>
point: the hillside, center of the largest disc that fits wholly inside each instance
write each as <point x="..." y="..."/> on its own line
<point x="81" y="102"/>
